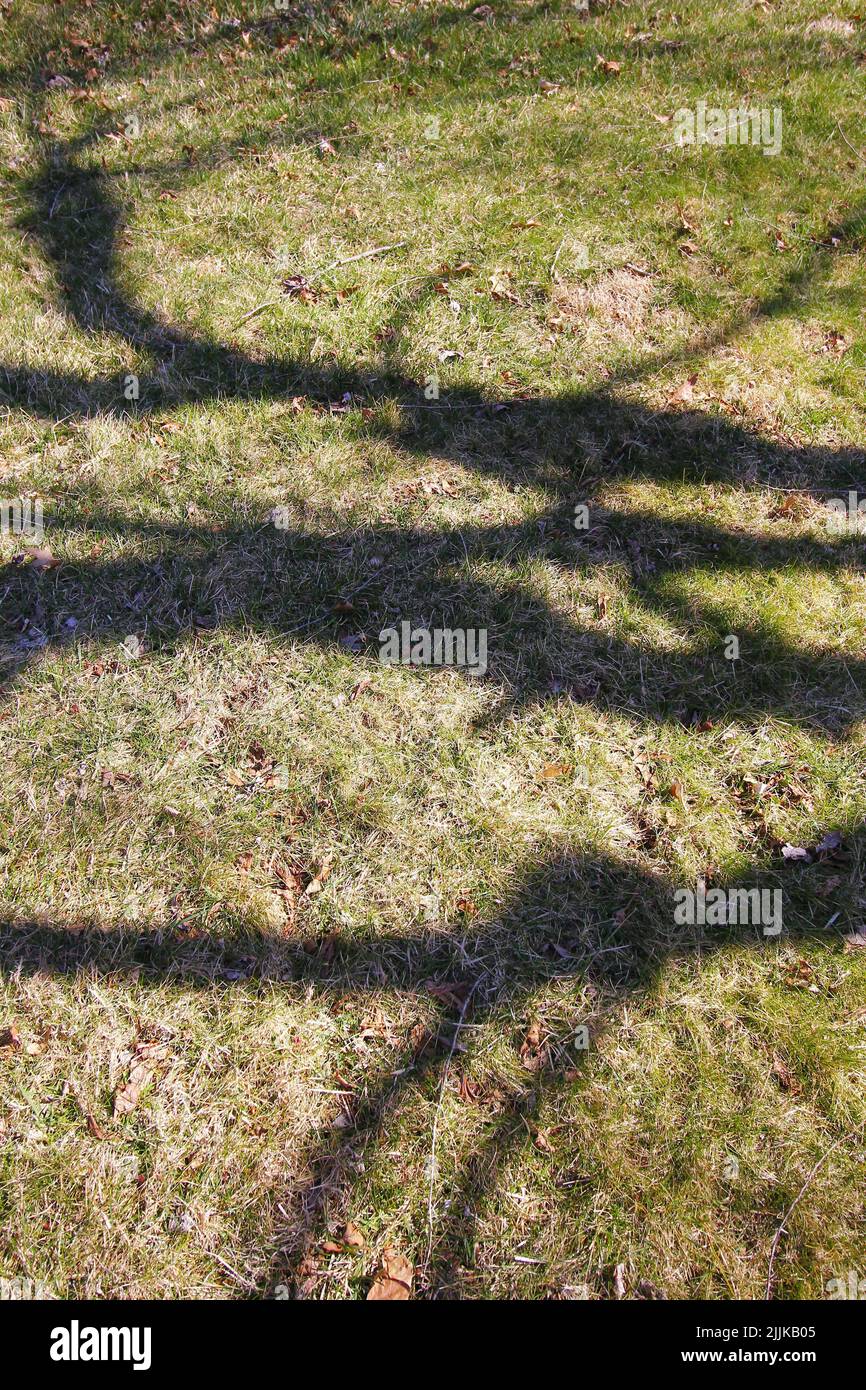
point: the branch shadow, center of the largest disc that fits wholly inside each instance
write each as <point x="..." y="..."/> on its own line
<point x="586" y="920"/>
<point x="351" y="585"/>
<point x="579" y="918"/>
<point x="571" y="448"/>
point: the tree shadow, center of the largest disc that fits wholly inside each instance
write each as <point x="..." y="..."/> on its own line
<point x="583" y="919"/>
<point x="75" y="218"/>
<point x="571" y="448"/>
<point x="348" y="586"/>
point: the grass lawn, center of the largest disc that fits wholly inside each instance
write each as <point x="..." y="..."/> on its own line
<point x="321" y="319"/>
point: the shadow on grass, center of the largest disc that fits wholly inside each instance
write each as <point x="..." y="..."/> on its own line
<point x="289" y="581"/>
<point x="584" y="920"/>
<point x="591" y="920"/>
<point x="345" y="587"/>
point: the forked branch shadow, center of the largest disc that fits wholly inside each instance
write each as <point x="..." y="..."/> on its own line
<point x="584" y="921"/>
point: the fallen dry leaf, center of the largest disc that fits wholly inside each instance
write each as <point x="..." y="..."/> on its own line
<point x="796" y="854"/>
<point x="784" y="1075"/>
<point x="41" y="560"/>
<point x="126" y="1097"/>
<point x="556" y="770"/>
<point x="832" y="840"/>
<point x="299" y="287"/>
<point x="793" y="504"/>
<point x="394" y="1280"/>
<point x="499" y="289"/>
<point x="531" y="1053"/>
<point x="647" y="1290"/>
<point x="834" y="343"/>
<point x="683" y="394"/>
<point x="289" y="877"/>
<point x="351" y="1235"/>
<point x="678" y="792"/>
<point x="315" y="884"/>
<point x="451" y="993"/>
<point x="93" y="1128"/>
<point x="800" y="975"/>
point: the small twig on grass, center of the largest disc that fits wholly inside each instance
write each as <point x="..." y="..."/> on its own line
<point x="245" y="1283"/>
<point x="861" y="157"/>
<point x="781" y="1231"/>
<point x="556" y="258"/>
<point x="361" y="256"/>
<point x="268" y="304"/>
<point x="347" y="260"/>
<point x="442" y="1083"/>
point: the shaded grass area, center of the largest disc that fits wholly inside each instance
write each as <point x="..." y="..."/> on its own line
<point x="352" y="916"/>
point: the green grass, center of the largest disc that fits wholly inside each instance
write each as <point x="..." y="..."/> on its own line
<point x="354" y="914"/>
